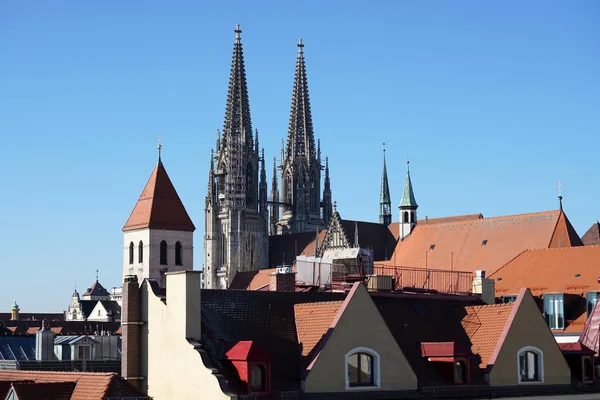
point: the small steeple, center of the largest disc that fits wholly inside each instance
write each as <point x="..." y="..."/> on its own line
<point x="327" y="210"/>
<point x="408" y="196"/>
<point x="14" y="312"/>
<point x="385" y="203"/>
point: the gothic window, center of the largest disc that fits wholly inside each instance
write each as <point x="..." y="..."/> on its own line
<point x="258" y="379"/>
<point x="288" y="189"/>
<point x="178" y="254"/>
<point x="414" y="217"/>
<point x="223" y="249"/>
<point x="131" y="253"/>
<point x="530" y="365"/>
<point x="141" y="252"/>
<point x="249" y="185"/>
<point x="313" y="197"/>
<point x="405" y="216"/>
<point x="163" y="253"/>
<point x="362" y="368"/>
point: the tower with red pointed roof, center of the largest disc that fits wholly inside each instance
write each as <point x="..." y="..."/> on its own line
<point x="158" y="235"/>
<point x="236" y="212"/>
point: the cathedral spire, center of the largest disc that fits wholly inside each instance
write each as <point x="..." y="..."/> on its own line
<point x="274" y="217"/>
<point x="237" y="112"/>
<point x="385" y="204"/>
<point x="327" y="205"/>
<point x="301" y="142"/>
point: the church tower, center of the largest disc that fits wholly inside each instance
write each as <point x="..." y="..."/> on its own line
<point x="385" y="203"/>
<point x="301" y="163"/>
<point x="158" y="237"/>
<point x="236" y="212"/>
<point x="408" y="207"/>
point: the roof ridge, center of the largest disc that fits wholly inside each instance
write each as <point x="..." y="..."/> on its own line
<point x="481" y="220"/>
<point x="490" y="305"/>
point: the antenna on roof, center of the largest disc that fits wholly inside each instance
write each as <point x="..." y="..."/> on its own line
<point x="559" y="186"/>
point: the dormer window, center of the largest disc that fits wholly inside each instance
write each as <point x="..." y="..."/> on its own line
<point x="432" y="247"/>
<point x="531" y="365"/>
<point x="554" y="310"/>
<point x="258" y="379"/>
<point x="591" y="300"/>
<point x="362" y="369"/>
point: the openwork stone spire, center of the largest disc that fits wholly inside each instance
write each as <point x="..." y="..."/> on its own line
<point x="237" y="112"/>
<point x="301" y="142"/>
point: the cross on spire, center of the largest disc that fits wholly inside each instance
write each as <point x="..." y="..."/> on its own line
<point x="159" y="146"/>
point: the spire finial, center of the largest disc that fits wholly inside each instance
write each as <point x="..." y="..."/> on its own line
<point x="335" y="206"/>
<point x="300" y="46"/>
<point x="559" y="186"/>
<point x="238" y="32"/>
<point x="407" y="164"/>
<point x="159" y="146"/>
<point x="96" y="275"/>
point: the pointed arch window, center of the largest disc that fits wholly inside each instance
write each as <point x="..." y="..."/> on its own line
<point x="405" y="216"/>
<point x="131" y="246"/>
<point x="288" y="189"/>
<point x="249" y="185"/>
<point x="141" y="252"/>
<point x="163" y="253"/>
<point x="178" y="250"/>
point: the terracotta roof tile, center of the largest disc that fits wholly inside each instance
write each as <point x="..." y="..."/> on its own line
<point x="159" y="206"/>
<point x="575" y="348"/>
<point x="394" y="227"/>
<point x="313" y="320"/>
<point x="90" y="386"/>
<point x="309" y="250"/>
<point x="566" y="270"/>
<point x="483" y="244"/>
<point x="592" y="236"/>
<point x="484" y="325"/>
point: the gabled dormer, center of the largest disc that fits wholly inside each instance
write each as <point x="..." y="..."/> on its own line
<point x="253" y="365"/>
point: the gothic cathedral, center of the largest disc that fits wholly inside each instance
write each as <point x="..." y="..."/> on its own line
<point x="237" y="215"/>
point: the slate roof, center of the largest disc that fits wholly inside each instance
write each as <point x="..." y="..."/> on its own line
<point x="159" y="206"/>
<point x="112" y="307"/>
<point x="483" y="244"/>
<point x="266" y="318"/>
<point x="373" y="236"/>
<point x="572" y="270"/>
<point x="44" y="391"/>
<point x="17" y="348"/>
<point x="97" y="290"/>
<point x="89" y="386"/>
<point x="592" y="236"/>
<point x="283" y="249"/>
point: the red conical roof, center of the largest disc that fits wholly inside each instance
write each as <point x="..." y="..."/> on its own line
<point x="159" y="206"/>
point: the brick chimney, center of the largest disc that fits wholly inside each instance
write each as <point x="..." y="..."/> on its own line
<point x="283" y="280"/>
<point x="130" y="324"/>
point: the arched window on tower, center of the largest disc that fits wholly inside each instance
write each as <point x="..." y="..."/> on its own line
<point x="405" y="216"/>
<point x="178" y="257"/>
<point x="131" y="246"/>
<point x="141" y="252"/>
<point x="414" y="217"/>
<point x="249" y="185"/>
<point x="163" y="253"/>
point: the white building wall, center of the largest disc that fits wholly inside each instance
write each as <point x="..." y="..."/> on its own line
<point x="174" y="369"/>
<point x="151" y="267"/>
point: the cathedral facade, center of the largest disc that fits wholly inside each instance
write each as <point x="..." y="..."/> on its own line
<point x="239" y="214"/>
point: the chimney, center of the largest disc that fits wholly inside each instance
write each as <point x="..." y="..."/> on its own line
<point x="484" y="287"/>
<point x="44" y="343"/>
<point x="14" y="312"/>
<point x="183" y="293"/>
<point x="283" y="280"/>
<point x="130" y="338"/>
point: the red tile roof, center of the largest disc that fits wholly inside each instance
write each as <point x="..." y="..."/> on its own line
<point x="575" y="348"/>
<point x="159" y="206"/>
<point x="483" y="244"/>
<point x="442" y="349"/>
<point x="592" y="236"/>
<point x="571" y="270"/>
<point x="253" y="280"/>
<point x="89" y="386"/>
<point x="394" y="227"/>
<point x="313" y="320"/>
<point x="484" y="326"/>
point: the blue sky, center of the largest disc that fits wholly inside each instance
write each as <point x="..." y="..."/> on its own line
<point x="493" y="102"/>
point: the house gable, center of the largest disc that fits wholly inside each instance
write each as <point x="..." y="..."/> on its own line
<point x="335" y="237"/>
<point x="526" y="327"/>
<point x="359" y="325"/>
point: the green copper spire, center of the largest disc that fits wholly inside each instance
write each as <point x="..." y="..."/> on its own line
<point x="408" y="196"/>
<point x="385" y="204"/>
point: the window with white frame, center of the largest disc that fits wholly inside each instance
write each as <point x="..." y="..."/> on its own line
<point x="554" y="310"/>
<point x="531" y="365"/>
<point x="362" y="369"/>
